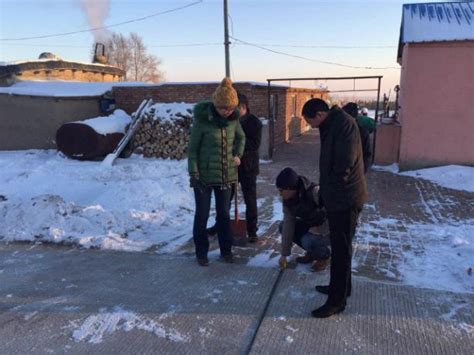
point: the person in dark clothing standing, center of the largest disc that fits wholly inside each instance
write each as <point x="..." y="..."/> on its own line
<point x="249" y="167"/>
<point x="343" y="191"/>
<point x="353" y="109"/>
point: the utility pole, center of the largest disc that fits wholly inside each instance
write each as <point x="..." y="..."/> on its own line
<point x="226" y="41"/>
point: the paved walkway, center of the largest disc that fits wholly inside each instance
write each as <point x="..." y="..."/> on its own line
<point x="60" y="300"/>
<point x="56" y="299"/>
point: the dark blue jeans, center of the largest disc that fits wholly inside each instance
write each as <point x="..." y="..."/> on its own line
<point x="203" y="205"/>
<point x="316" y="245"/>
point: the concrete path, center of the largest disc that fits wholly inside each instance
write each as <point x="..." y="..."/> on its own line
<point x="56" y="299"/>
<point x="61" y="300"/>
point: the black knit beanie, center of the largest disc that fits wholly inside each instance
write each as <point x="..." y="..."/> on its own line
<point x="287" y="179"/>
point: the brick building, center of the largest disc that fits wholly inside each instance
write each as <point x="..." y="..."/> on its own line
<point x="56" y="69"/>
<point x="286" y="103"/>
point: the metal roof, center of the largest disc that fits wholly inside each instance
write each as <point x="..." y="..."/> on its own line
<point x="429" y="22"/>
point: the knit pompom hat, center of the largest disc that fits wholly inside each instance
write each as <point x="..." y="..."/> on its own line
<point x="225" y="95"/>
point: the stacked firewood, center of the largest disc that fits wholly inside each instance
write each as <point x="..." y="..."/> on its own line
<point x="164" y="131"/>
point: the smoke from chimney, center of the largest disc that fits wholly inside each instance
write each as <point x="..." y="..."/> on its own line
<point x="97" y="11"/>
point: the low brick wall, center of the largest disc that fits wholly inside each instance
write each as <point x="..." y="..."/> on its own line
<point x="287" y="125"/>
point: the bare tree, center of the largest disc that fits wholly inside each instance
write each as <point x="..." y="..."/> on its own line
<point x="130" y="54"/>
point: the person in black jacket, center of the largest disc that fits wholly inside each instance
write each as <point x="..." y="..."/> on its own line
<point x="343" y="191"/>
<point x="249" y="167"/>
<point x="302" y="219"/>
<point x="353" y="109"/>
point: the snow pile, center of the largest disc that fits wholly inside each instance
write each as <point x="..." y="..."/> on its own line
<point x="114" y="123"/>
<point x="451" y="176"/>
<point x="169" y="112"/>
<point x="95" y="327"/>
<point x="138" y="204"/>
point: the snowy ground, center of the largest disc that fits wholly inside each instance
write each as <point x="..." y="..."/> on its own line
<point x="451" y="176"/>
<point x="134" y="205"/>
<point x="146" y="204"/>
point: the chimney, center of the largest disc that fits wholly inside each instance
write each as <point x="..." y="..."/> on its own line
<point x="99" y="54"/>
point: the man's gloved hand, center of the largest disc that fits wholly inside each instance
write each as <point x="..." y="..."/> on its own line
<point x="283" y="263"/>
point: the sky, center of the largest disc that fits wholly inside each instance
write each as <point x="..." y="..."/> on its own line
<point x="190" y="41"/>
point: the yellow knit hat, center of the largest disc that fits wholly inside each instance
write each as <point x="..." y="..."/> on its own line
<point x="225" y="95"/>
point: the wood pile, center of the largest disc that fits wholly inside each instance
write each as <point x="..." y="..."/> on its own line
<point x="164" y="131"/>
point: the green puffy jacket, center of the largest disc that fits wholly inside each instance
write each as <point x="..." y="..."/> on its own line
<point x="214" y="143"/>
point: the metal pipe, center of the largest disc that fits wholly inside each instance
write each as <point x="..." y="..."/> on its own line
<point x="329" y="78"/>
<point x="376" y="119"/>
<point x="357" y="90"/>
<point x="271" y="124"/>
<point x="226" y="41"/>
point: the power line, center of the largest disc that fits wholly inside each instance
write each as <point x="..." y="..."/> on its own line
<point x="105" y="27"/>
<point x="206" y="44"/>
<point x="84" y="46"/>
<point x="188" y="45"/>
<point x="310" y="59"/>
<point x="323" y="46"/>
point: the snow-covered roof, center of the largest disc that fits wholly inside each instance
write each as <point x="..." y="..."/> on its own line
<point x="449" y="21"/>
<point x="64" y="88"/>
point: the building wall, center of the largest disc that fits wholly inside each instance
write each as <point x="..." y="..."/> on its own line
<point x="59" y="70"/>
<point x="31" y="122"/>
<point x="387" y="147"/>
<point x="286" y="126"/>
<point x="68" y="74"/>
<point x="436" y="99"/>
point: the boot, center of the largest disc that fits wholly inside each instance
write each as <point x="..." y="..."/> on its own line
<point x="212" y="231"/>
<point x="320" y="265"/>
<point x="327" y="310"/>
<point x="229" y="258"/>
<point x="305" y="259"/>
<point x="324" y="289"/>
<point x="203" y="261"/>
<point x="252" y="238"/>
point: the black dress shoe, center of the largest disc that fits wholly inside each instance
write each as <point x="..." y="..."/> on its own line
<point x="203" y="261"/>
<point x="324" y="289"/>
<point x="326" y="311"/>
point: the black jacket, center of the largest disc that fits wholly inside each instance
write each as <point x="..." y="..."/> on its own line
<point x="341" y="165"/>
<point x="304" y="208"/>
<point x="366" y="147"/>
<point x="253" y="135"/>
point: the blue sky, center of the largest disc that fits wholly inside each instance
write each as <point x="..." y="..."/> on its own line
<point x="264" y="22"/>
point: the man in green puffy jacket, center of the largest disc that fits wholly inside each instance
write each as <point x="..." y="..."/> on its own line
<point x="216" y="145"/>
